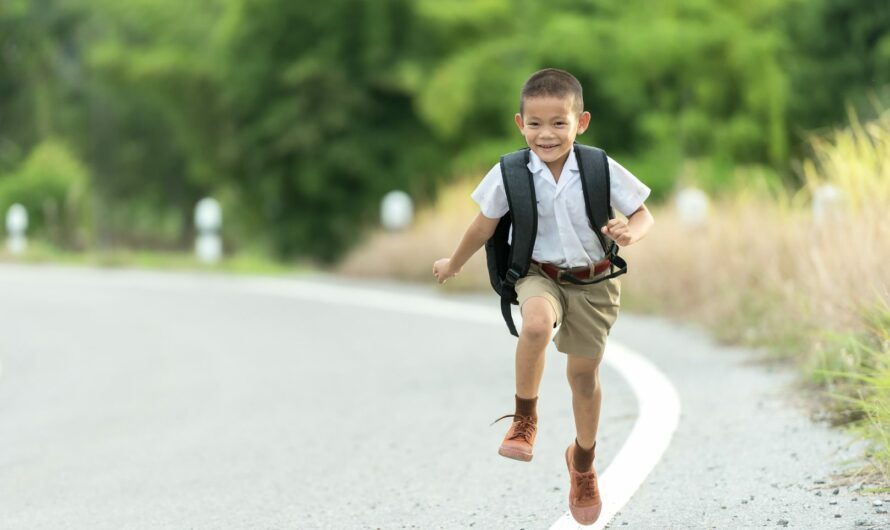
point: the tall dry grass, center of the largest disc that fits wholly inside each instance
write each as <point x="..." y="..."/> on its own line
<point x="764" y="270"/>
<point x="409" y="255"/>
<point x="762" y="267"/>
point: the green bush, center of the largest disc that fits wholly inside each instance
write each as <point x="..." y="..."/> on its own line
<point x="52" y="185"/>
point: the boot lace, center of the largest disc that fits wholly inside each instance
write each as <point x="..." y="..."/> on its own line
<point x="586" y="485"/>
<point x="525" y="427"/>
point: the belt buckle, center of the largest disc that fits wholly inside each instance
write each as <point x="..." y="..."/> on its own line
<point x="560" y="272"/>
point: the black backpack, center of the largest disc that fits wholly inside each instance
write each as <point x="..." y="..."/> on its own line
<point x="507" y="263"/>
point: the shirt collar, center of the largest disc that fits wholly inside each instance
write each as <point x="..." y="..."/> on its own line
<point x="535" y="165"/>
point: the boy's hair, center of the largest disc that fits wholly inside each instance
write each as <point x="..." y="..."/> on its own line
<point x="555" y="83"/>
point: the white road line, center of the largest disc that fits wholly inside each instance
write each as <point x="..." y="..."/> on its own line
<point x="658" y="400"/>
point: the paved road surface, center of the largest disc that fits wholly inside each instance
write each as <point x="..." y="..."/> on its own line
<point x="148" y="400"/>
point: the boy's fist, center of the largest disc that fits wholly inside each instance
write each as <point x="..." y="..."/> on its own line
<point x="442" y="270"/>
<point x="619" y="232"/>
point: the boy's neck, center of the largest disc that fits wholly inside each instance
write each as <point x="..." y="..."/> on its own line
<point x="556" y="166"/>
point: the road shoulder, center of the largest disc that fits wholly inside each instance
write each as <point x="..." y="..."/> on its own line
<point x="743" y="455"/>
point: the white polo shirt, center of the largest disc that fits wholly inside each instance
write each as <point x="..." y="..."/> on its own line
<point x="564" y="234"/>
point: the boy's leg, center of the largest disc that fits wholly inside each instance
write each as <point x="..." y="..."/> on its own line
<point x="583" y="337"/>
<point x="538" y="318"/>
<point x="587" y="397"/>
<point x="584" y="497"/>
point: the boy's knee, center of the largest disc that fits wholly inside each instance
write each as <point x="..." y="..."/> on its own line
<point x="536" y="328"/>
<point x="584" y="380"/>
<point x="585" y="385"/>
<point x="537" y="319"/>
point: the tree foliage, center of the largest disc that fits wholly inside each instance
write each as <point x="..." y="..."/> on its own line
<point x="703" y="75"/>
<point x="38" y="74"/>
<point x="300" y="116"/>
<point x="323" y="119"/>
<point x="842" y="58"/>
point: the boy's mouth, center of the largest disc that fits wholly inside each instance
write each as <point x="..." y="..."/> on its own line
<point x="548" y="146"/>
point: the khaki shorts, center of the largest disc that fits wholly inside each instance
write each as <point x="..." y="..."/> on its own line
<point x="584" y="313"/>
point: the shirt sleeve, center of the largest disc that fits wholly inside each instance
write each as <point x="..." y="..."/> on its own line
<point x="491" y="196"/>
<point x="627" y="191"/>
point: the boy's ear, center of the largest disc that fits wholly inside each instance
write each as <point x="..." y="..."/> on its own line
<point x="518" y="119"/>
<point x="583" y="122"/>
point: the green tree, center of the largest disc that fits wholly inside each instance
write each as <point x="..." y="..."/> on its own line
<point x="155" y="122"/>
<point x="323" y="118"/>
<point x="841" y="57"/>
<point x="39" y="73"/>
<point x="703" y="76"/>
<point x="301" y="116"/>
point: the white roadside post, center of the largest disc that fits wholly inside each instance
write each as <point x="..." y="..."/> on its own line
<point x="692" y="206"/>
<point x="396" y="211"/>
<point x="208" y="220"/>
<point x="16" y="225"/>
<point x="828" y="204"/>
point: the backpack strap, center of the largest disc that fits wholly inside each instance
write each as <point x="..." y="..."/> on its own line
<point x="593" y="165"/>
<point x="520" y="189"/>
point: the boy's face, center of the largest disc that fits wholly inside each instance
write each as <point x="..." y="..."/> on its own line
<point x="550" y="126"/>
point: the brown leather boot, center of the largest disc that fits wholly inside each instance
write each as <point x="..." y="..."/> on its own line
<point x="520" y="437"/>
<point x="584" y="494"/>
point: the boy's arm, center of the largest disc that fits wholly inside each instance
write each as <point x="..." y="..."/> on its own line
<point x="479" y="231"/>
<point x="634" y="229"/>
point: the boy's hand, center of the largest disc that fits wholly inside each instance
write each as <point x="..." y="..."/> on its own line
<point x="619" y="231"/>
<point x="442" y="270"/>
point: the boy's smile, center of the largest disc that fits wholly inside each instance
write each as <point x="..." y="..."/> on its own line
<point x="550" y="125"/>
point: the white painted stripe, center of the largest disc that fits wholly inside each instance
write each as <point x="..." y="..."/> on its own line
<point x="658" y="400"/>
<point x="374" y="299"/>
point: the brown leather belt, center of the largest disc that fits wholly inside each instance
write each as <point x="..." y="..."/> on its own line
<point x="582" y="273"/>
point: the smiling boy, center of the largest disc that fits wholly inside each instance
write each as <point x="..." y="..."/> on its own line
<point x="551" y="114"/>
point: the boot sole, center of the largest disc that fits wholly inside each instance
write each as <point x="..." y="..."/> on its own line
<point x="515" y="455"/>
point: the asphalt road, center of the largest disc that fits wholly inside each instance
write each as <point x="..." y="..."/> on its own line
<point x="151" y="400"/>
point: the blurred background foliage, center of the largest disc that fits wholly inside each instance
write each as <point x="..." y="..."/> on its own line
<point x="116" y="117"/>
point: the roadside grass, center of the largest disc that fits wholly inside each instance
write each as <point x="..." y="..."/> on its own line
<point x="855" y="370"/>
<point x="763" y="271"/>
<point x="409" y="255"/>
<point x="241" y="263"/>
<point x="810" y="290"/>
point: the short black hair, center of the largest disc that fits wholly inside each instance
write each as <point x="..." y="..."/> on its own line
<point x="553" y="82"/>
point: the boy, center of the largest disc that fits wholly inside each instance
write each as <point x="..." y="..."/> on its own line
<point x="550" y="116"/>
